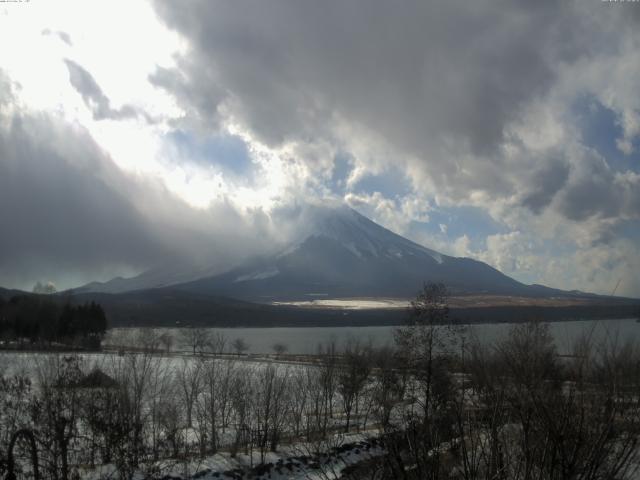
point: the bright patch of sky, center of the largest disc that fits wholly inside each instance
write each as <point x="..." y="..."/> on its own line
<point x="454" y="222"/>
<point x="391" y="183"/>
<point x="342" y="168"/>
<point x="226" y="153"/>
<point x="600" y="128"/>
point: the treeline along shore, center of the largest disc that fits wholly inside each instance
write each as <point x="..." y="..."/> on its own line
<point x="175" y="308"/>
<point x="45" y="322"/>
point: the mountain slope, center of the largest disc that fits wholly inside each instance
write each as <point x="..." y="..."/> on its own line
<point x="344" y="254"/>
<point x="164" y="276"/>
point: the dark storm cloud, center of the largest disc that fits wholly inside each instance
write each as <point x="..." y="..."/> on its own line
<point x="413" y="71"/>
<point x="95" y="99"/>
<point x="546" y="182"/>
<point x="591" y="193"/>
<point x="595" y="190"/>
<point x="57" y="209"/>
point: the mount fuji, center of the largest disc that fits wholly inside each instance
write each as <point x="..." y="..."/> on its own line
<point x="338" y="254"/>
<point x="344" y="254"/>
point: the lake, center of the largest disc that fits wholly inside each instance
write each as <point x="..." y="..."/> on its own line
<point x="305" y="340"/>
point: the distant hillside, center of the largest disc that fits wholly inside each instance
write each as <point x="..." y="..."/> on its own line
<point x="176" y="308"/>
<point x="169" y="307"/>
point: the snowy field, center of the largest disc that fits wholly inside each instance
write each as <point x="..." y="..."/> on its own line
<point x="225" y="395"/>
<point x="350" y="304"/>
<point x="296" y="461"/>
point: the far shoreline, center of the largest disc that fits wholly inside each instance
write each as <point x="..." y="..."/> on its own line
<point x="392" y="317"/>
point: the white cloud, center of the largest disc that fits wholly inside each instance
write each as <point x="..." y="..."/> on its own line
<point x="460" y="247"/>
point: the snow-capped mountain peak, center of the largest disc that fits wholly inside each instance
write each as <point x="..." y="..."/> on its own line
<point x="363" y="237"/>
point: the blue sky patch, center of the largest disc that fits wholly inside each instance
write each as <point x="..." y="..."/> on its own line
<point x="459" y="221"/>
<point x="342" y="168"/>
<point x="228" y="152"/>
<point x="392" y="183"/>
<point x="600" y="128"/>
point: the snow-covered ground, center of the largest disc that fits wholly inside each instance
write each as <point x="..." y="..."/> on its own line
<point x="297" y="461"/>
<point x="350" y="303"/>
<point x="293" y="458"/>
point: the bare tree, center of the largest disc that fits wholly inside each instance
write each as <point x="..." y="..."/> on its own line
<point x="425" y="340"/>
<point x="322" y="383"/>
<point x="213" y="404"/>
<point x="134" y="372"/>
<point x="299" y="400"/>
<point x="426" y="349"/>
<point x="217" y="343"/>
<point x="389" y="385"/>
<point x="529" y="415"/>
<point x="239" y="346"/>
<point x="270" y="407"/>
<point x="189" y="378"/>
<point x="352" y="375"/>
<point x="58" y="412"/>
<point x="279" y="349"/>
<point x="148" y="340"/>
<point x="241" y="398"/>
<point x="17" y="398"/>
<point x="197" y="338"/>
<point x="166" y="340"/>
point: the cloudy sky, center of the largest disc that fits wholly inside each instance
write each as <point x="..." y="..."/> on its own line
<point x="133" y="134"/>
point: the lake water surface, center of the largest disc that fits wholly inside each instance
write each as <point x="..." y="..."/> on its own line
<point x="305" y="340"/>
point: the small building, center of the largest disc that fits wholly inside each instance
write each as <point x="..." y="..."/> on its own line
<point x="97" y="379"/>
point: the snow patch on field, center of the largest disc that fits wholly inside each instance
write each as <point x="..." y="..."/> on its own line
<point x="272" y="272"/>
<point x="350" y="304"/>
<point x="291" y="463"/>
